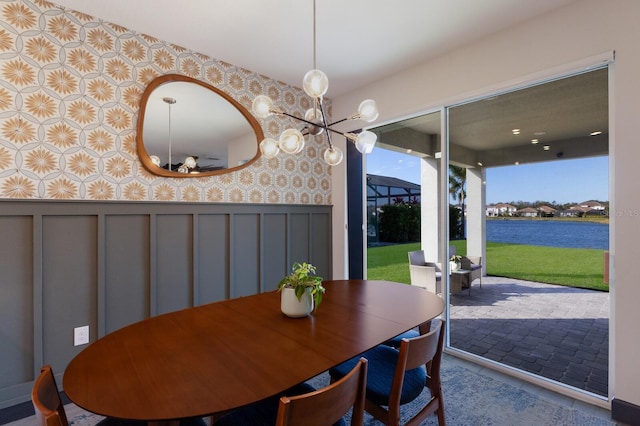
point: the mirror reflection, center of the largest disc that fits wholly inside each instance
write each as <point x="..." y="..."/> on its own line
<point x="189" y="128"/>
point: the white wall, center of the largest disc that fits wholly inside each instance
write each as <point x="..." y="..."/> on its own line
<point x="539" y="48"/>
<point x="241" y="149"/>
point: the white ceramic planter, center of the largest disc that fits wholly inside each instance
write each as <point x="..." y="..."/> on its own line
<point x="294" y="308"/>
<point x="454" y="266"/>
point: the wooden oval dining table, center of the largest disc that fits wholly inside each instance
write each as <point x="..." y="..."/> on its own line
<point x="212" y="358"/>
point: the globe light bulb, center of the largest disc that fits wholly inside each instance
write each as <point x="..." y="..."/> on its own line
<point x="368" y="110"/>
<point x="291" y="141"/>
<point x="155" y="160"/>
<point x="333" y="156"/>
<point x="269" y="148"/>
<point x="262" y="106"/>
<point x="313" y="114"/>
<point x="365" y="141"/>
<point x="315" y="83"/>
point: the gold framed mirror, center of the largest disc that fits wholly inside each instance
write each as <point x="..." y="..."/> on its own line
<point x="188" y="128"/>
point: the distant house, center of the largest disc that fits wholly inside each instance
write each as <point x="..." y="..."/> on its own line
<point x="586" y="208"/>
<point x="527" y="212"/>
<point x="547" y="211"/>
<point x="500" y="209"/>
<point x="593" y="205"/>
<point x="575" y="211"/>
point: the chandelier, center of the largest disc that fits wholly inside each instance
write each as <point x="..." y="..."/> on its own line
<point x="315" y="84"/>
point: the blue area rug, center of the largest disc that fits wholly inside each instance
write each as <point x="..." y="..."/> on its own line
<point x="473" y="399"/>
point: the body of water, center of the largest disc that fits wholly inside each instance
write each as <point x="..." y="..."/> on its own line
<point x="549" y="233"/>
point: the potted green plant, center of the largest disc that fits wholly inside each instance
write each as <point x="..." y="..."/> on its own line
<point x="301" y="290"/>
<point x="454" y="262"/>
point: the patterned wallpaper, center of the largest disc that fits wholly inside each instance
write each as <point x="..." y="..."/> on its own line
<point x="69" y="91"/>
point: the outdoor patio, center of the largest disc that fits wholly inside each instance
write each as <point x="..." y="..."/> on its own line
<point x="557" y="332"/>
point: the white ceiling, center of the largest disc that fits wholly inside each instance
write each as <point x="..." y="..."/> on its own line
<point x="556" y="120"/>
<point x="358" y="41"/>
<point x="361" y="41"/>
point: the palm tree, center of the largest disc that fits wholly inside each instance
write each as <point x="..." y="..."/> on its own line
<point x="457" y="181"/>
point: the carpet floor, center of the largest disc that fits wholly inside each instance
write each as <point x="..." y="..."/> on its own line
<point x="472" y="396"/>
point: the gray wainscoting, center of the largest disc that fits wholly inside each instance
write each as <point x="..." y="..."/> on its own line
<point x="109" y="264"/>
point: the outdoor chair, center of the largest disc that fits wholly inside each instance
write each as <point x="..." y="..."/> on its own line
<point x="473" y="264"/>
<point x="424" y="274"/>
<point x="469" y="263"/>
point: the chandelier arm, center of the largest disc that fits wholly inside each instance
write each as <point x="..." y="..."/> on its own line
<point x="325" y="127"/>
<point x="299" y="119"/>
<point x="329" y="138"/>
<point x="329" y="129"/>
<point x="351" y="117"/>
<point x="324" y="120"/>
<point x="339" y="121"/>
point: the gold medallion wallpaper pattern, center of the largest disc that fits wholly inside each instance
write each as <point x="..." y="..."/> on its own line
<point x="70" y="86"/>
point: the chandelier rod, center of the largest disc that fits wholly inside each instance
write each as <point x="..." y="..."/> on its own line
<point x="314" y="35"/>
<point x="315" y="84"/>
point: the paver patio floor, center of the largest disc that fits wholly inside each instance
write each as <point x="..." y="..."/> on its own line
<point x="556" y="332"/>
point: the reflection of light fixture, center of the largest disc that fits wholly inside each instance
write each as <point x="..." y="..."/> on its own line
<point x="189" y="163"/>
<point x="291" y="141"/>
<point x="169" y="101"/>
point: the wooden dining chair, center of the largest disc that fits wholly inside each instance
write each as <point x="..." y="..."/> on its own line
<point x="46" y="400"/>
<point x="303" y="405"/>
<point x="399" y="376"/>
<point x="328" y="405"/>
<point x="50" y="409"/>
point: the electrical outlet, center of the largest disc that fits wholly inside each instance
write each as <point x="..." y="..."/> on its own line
<point x="81" y="335"/>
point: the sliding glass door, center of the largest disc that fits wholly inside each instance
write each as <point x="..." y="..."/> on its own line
<point x="529" y="181"/>
<point x="509" y="193"/>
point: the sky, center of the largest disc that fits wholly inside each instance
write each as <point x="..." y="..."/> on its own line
<point x="562" y="181"/>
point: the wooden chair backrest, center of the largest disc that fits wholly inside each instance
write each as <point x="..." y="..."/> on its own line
<point x="426" y="350"/>
<point x="46" y="400"/>
<point x="326" y="406"/>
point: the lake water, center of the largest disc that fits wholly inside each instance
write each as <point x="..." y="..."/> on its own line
<point x="549" y="233"/>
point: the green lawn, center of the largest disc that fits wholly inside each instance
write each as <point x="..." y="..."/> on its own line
<point x="572" y="267"/>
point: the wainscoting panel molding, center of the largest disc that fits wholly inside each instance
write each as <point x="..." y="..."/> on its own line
<point x="109" y="264"/>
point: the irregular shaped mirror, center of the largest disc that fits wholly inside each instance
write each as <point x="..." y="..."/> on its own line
<point x="188" y="128"/>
